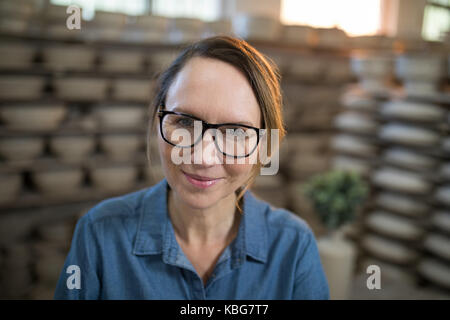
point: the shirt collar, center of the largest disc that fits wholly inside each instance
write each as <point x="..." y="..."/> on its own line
<point x="153" y="236"/>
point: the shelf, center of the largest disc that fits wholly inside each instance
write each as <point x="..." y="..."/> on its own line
<point x="45" y="163"/>
<point x="86" y="194"/>
<point x="95" y="72"/>
<point x="9" y="132"/>
<point x="261" y="44"/>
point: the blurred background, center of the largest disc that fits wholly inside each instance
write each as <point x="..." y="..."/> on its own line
<point x="366" y="90"/>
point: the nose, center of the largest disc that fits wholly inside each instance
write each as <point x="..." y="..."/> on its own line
<point x="205" y="153"/>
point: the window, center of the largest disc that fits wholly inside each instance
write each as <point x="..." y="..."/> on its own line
<point x="355" y="17"/>
<point x="130" y="7"/>
<point x="436" y="20"/>
<point x="203" y="9"/>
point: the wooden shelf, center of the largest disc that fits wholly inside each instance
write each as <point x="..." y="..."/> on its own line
<point x="28" y="200"/>
<point x="9" y="132"/>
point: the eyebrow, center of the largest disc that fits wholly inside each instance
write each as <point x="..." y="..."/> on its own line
<point x="182" y="110"/>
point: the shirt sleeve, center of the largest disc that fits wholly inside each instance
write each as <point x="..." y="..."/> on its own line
<point x="80" y="277"/>
<point x="310" y="282"/>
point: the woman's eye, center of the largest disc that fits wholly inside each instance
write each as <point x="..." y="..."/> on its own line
<point x="235" y="132"/>
<point x="185" y="122"/>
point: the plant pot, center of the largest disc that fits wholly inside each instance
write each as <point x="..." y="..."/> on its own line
<point x="338" y="257"/>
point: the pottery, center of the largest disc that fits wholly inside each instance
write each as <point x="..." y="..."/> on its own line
<point x="122" y="61"/>
<point x="132" y="89"/>
<point x="110" y="19"/>
<point x="405" y="205"/>
<point x="438" y="245"/>
<point x="358" y="102"/>
<point x="371" y="66"/>
<point x="69" y="57"/>
<point x="16" y="55"/>
<point x="10" y="184"/>
<point x="120" y="146"/>
<point x="21" y="148"/>
<point x="415" y="111"/>
<point x="256" y="27"/>
<point x="114" y="177"/>
<point x="400" y="180"/>
<point x="120" y="116"/>
<point x="346" y="163"/>
<point x="408" y="159"/>
<point x="444" y="171"/>
<point x="72" y="148"/>
<point x="217" y="27"/>
<point x="353" y="145"/>
<point x="409" y="135"/>
<point x="441" y="220"/>
<point x="435" y="271"/>
<point x="60" y="181"/>
<point x="355" y="122"/>
<point x="389" y="250"/>
<point x="161" y="60"/>
<point x="424" y="67"/>
<point x="331" y="38"/>
<point x="307" y="67"/>
<point x="81" y="88"/>
<point x="394" y="226"/>
<point x="17" y="87"/>
<point x="298" y="34"/>
<point x="33" y="116"/>
<point x="152" y="22"/>
<point x="182" y="30"/>
<point x="14" y="25"/>
<point x="443" y="195"/>
<point x="420" y="88"/>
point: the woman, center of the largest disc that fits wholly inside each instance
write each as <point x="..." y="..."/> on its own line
<point x="199" y="233"/>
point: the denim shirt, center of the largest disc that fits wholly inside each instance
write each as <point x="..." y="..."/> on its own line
<point x="125" y="248"/>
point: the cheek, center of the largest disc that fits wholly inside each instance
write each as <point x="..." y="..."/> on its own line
<point x="238" y="172"/>
<point x="165" y="151"/>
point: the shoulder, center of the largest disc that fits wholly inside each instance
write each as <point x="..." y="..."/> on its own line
<point x="282" y="223"/>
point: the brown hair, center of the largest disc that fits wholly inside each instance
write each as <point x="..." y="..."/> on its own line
<point x="261" y="73"/>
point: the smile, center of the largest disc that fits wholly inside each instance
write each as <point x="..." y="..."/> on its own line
<point x="199" y="181"/>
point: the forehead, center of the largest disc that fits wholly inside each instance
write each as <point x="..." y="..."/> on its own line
<point x="214" y="91"/>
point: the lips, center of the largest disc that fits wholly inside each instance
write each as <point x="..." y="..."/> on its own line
<point x="201" y="181"/>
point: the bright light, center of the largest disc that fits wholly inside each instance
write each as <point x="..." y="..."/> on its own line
<point x="355" y="17"/>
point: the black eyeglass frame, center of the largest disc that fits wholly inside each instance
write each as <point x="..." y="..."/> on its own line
<point x="206" y="126"/>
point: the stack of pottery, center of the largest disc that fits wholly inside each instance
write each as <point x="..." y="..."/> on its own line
<point x="421" y="74"/>
<point x="410" y="184"/>
<point x="354" y="146"/>
<point x="373" y="71"/>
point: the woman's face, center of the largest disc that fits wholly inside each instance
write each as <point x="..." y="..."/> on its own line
<point x="215" y="92"/>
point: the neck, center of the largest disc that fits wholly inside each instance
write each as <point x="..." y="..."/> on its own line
<point x="212" y="225"/>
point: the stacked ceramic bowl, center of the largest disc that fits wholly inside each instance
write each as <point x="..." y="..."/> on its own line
<point x="107" y="26"/>
<point x="410" y="182"/>
<point x="373" y="71"/>
<point x="15" y="16"/>
<point x="147" y="29"/>
<point x="354" y="145"/>
<point x="183" y="30"/>
<point x="256" y="27"/>
<point x="421" y="74"/>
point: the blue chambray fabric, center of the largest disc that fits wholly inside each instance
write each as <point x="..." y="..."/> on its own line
<point x="126" y="248"/>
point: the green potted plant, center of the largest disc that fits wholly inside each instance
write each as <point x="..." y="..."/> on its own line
<point x="336" y="197"/>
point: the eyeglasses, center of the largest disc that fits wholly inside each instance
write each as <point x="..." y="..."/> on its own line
<point x="185" y="131"/>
